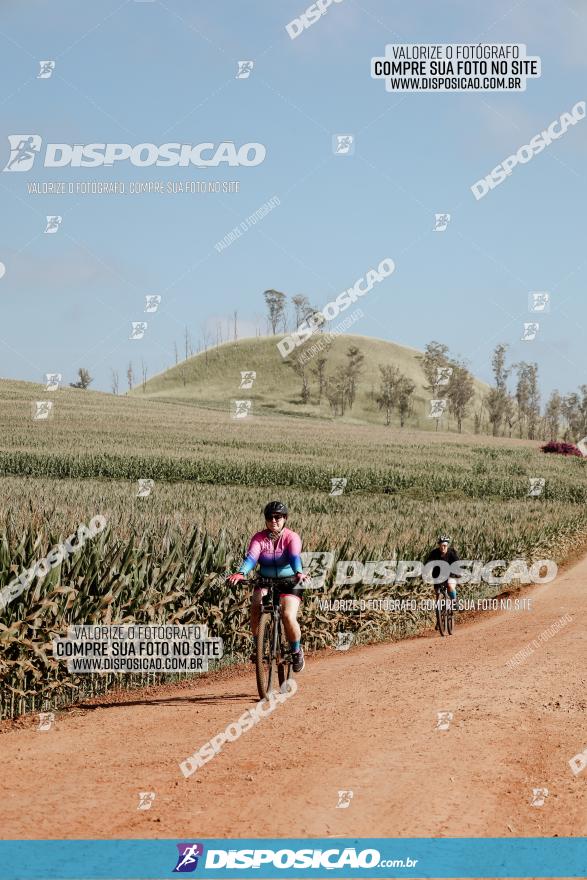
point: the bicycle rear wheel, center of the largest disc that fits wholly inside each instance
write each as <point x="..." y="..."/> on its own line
<point x="441" y="612"/>
<point x="284" y="669"/>
<point x="449" y="617"/>
<point x="265" y="662"/>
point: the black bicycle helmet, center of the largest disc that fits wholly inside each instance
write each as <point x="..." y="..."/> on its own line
<point x="443" y="539"/>
<point x="275" y="508"/>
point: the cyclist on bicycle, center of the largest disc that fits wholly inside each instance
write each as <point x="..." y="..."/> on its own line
<point x="277" y="550"/>
<point x="443" y="552"/>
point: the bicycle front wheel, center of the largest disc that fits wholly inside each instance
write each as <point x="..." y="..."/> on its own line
<point x="265" y="662"/>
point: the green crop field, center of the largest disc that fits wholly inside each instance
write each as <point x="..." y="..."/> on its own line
<point x="165" y="557"/>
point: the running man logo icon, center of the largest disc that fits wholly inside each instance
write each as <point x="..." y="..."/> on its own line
<point x="441" y="221"/>
<point x="539" y="301"/>
<point x="343" y="144"/>
<point x="443" y="375"/>
<point x="578" y="762"/>
<point x="536" y="487"/>
<point x="152" y="302"/>
<point x="538" y="796"/>
<point x="52" y="381"/>
<point x="241" y="409"/>
<point x="344" y="800"/>
<point x="345" y="640"/>
<point x="47" y="68"/>
<point x="337" y="485"/>
<point x="316" y="565"/>
<point x="443" y="720"/>
<point x="23" y="151"/>
<point x="42" y="410"/>
<point x="247" y="378"/>
<point x="187" y="860"/>
<point x="53" y="224"/>
<point x="531" y="329"/>
<point x="138" y="329"/>
<point x="146" y="799"/>
<point x="46" y="720"/>
<point x="244" y="69"/>
<point x="437" y="408"/>
<point x="145" y="488"/>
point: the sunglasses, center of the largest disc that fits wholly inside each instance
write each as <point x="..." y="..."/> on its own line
<point x="270" y="518"/>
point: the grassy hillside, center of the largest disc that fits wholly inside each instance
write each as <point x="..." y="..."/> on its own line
<point x="211" y="379"/>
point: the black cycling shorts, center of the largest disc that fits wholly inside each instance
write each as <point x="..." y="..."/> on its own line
<point x="287" y="586"/>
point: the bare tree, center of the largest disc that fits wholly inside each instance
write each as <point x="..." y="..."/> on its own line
<point x="275" y="302"/>
<point x="301" y="304"/>
<point x="319" y="371"/>
<point x="176" y="354"/>
<point x="459" y="392"/>
<point x="235" y="317"/>
<point x="130" y="376"/>
<point x="114" y="382"/>
<point x="144" y="375"/>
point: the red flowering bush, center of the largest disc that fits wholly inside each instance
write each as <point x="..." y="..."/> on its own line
<point x="562" y="448"/>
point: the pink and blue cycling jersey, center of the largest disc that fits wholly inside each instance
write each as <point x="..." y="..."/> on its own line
<point x="281" y="558"/>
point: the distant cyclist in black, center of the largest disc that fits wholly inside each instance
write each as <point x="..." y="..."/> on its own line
<point x="443" y="552"/>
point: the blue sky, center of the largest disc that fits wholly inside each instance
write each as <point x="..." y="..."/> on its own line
<point x="159" y="72"/>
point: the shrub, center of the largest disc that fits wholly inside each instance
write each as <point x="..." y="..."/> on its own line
<point x="562" y="448"/>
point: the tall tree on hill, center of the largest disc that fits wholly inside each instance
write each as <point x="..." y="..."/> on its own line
<point x="459" y="391"/>
<point x="130" y="376"/>
<point x="114" y="382"/>
<point x="552" y="415"/>
<point x="496" y="400"/>
<point x="299" y="366"/>
<point x="336" y="389"/>
<point x="301" y="304"/>
<point x="395" y="391"/>
<point x="84" y="379"/>
<point x="354" y="368"/>
<point x="574" y="411"/>
<point x="435" y="356"/>
<point x="528" y="398"/>
<point x="275" y="302"/>
<point x="319" y="371"/>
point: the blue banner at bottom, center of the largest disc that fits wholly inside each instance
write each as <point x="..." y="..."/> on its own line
<point x="288" y="857"/>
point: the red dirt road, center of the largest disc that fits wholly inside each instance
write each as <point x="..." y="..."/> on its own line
<point x="364" y="721"/>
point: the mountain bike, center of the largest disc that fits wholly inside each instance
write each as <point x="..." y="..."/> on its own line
<point x="444" y="611"/>
<point x="273" y="658"/>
